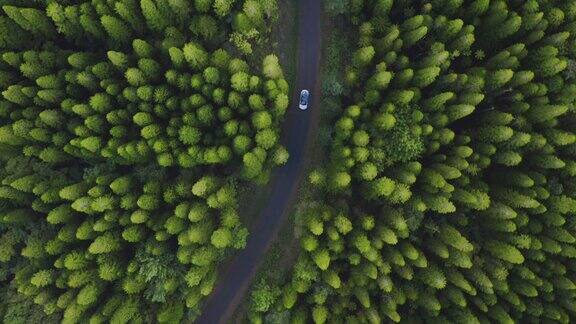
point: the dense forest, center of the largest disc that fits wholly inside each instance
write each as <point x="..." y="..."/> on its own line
<point x="130" y="128"/>
<point x="448" y="191"/>
<point x="126" y="130"/>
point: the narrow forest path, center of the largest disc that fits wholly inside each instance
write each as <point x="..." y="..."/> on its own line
<point x="298" y="131"/>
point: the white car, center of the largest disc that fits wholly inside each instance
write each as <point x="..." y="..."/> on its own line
<point x="304" y="99"/>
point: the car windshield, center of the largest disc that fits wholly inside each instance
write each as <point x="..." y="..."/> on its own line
<point x="303" y="98"/>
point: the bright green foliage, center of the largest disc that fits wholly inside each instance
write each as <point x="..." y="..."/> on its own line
<point x="221" y="238"/>
<point x="263" y="297"/>
<point x="447" y="192"/>
<point x="125" y="127"/>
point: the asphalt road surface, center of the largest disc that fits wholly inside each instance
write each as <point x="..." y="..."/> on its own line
<point x="297" y="133"/>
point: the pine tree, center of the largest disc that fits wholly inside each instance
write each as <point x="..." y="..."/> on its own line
<point x="116" y="28"/>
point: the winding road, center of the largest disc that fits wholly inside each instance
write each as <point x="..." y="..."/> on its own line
<point x="298" y="131"/>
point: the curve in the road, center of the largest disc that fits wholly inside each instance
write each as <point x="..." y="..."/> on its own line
<point x="297" y="133"/>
